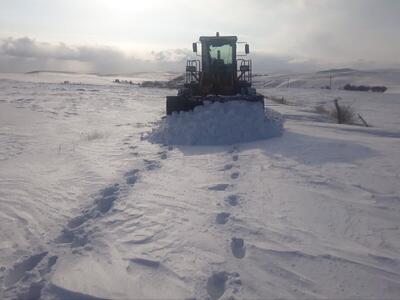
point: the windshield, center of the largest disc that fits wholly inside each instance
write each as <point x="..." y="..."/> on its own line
<point x="221" y="53"/>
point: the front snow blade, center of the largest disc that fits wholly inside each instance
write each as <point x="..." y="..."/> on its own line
<point x="179" y="103"/>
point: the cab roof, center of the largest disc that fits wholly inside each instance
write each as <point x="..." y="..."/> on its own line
<point x="219" y="38"/>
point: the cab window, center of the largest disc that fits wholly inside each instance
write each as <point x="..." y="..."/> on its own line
<point x="221" y="54"/>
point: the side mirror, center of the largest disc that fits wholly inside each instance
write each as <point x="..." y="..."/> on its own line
<point x="194" y="46"/>
<point x="247" y="48"/>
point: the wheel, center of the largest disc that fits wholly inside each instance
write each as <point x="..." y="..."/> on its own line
<point x="179" y="103"/>
<point x="173" y="104"/>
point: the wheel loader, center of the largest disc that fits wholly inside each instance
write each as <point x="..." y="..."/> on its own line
<point x="219" y="74"/>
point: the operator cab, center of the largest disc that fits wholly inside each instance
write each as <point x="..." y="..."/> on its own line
<point x="218" y="52"/>
<point x="217" y="73"/>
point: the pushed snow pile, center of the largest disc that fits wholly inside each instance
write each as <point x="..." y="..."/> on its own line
<point x="218" y="124"/>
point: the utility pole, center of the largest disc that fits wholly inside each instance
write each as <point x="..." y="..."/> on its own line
<point x="330" y="81"/>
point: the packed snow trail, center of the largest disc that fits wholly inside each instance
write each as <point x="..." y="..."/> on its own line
<point x="311" y="214"/>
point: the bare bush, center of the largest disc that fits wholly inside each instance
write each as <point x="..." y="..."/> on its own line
<point x="344" y="114"/>
<point x="365" y="88"/>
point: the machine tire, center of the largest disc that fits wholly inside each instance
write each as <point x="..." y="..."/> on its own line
<point x="173" y="104"/>
<point x="179" y="103"/>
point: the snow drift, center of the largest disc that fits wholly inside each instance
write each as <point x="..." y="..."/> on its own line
<point x="218" y="124"/>
<point x="90" y="211"/>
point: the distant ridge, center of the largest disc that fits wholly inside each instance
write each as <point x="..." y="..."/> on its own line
<point x="51" y="71"/>
<point x="342" y="70"/>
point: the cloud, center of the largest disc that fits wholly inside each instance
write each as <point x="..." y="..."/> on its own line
<point x="172" y="55"/>
<point x="27" y="54"/>
<point x="29" y="48"/>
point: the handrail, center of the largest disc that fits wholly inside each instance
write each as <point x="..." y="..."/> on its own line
<point x="244" y="70"/>
<point x="192" y="71"/>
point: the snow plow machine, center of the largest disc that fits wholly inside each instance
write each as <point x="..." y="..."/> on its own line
<point x="218" y="76"/>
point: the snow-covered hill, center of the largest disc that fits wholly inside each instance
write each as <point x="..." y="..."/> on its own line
<point x="91" y="209"/>
<point x="337" y="78"/>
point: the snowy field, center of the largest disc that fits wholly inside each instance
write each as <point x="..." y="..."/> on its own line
<point x="90" y="208"/>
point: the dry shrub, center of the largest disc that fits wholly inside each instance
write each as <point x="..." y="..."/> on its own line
<point x="344" y="113"/>
<point x="347" y="115"/>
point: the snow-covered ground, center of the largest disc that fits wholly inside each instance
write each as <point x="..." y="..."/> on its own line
<point x="89" y="208"/>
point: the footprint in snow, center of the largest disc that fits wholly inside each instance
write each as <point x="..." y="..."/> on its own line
<point x="107" y="197"/>
<point x="227" y="167"/>
<point x="222" y="218"/>
<point x="238" y="248"/>
<point x="76" y="238"/>
<point x="77" y="221"/>
<point x="66" y="237"/>
<point x="219" y="187"/>
<point x="131" y="176"/>
<point x="235" y="175"/>
<point x="151" y="164"/>
<point x="163" y="155"/>
<point x="18" y="271"/>
<point x="232" y="200"/>
<point x="145" y="262"/>
<point x="28" y="270"/>
<point x="235" y="157"/>
<point x="216" y="285"/>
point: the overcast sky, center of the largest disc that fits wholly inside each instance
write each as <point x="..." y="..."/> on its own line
<point x="135" y="35"/>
